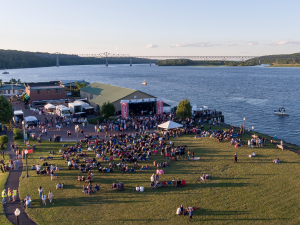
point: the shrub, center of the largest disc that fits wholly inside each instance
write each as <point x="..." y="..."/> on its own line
<point x="3" y="141"/>
<point x="94" y="120"/>
<point x="17" y="134"/>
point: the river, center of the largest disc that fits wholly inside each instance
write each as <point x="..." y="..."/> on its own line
<point x="252" y="93"/>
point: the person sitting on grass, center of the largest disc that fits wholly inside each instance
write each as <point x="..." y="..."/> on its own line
<point x="59" y="185"/>
<point x="276" y="161"/>
<point x="252" y="155"/>
<point x="96" y="187"/>
<point x="143" y="168"/>
<point x="114" y="186"/>
<point x="132" y="170"/>
<point x="84" y="189"/>
<point x="121" y="186"/>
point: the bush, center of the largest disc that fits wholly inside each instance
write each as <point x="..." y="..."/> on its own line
<point x="17" y="134"/>
<point x="108" y="109"/>
<point x="3" y="141"/>
<point x="94" y="120"/>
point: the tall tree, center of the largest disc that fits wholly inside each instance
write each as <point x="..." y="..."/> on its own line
<point x="184" y="109"/>
<point x="108" y="109"/>
<point x="80" y="85"/>
<point x="6" y="110"/>
<point x="3" y="140"/>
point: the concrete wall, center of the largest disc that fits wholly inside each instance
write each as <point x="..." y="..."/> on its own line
<point x="86" y="95"/>
<point x="50" y="94"/>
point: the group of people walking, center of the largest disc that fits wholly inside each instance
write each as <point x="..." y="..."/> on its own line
<point x="11" y="195"/>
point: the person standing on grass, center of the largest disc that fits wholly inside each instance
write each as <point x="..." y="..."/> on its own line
<point x="50" y="196"/>
<point x="191" y="214"/>
<point x="235" y="158"/>
<point x="40" y="189"/>
<point x="44" y="199"/>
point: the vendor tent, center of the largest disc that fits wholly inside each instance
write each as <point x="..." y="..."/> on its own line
<point x="169" y="125"/>
<point x="49" y="106"/>
<point x="30" y="119"/>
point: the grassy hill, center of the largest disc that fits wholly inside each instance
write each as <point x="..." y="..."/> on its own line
<point x="252" y="191"/>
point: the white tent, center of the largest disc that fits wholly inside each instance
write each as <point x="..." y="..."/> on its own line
<point x="169" y="125"/>
<point x="49" y="106"/>
<point x="30" y="119"/>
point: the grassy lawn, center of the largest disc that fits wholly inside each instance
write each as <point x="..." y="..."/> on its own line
<point x="252" y="191"/>
<point x="3" y="178"/>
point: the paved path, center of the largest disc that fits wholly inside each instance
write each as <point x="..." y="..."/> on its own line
<point x="13" y="183"/>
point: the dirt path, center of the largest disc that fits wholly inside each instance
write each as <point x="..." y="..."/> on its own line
<point x="13" y="183"/>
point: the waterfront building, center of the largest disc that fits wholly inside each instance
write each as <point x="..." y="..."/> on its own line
<point x="43" y="91"/>
<point x="136" y="101"/>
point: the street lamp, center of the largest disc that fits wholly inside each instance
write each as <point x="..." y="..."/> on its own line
<point x="77" y="129"/>
<point x="244" y="125"/>
<point x="23" y="124"/>
<point x="17" y="213"/>
<point x="26" y="155"/>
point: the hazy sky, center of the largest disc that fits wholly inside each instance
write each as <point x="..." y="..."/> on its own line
<point x="142" y="28"/>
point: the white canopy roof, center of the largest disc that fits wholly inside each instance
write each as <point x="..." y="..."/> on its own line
<point x="169" y="125"/>
<point x="18" y="112"/>
<point x="30" y="119"/>
<point x="49" y="106"/>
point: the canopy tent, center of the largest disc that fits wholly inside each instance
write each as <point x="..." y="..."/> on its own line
<point x="169" y="125"/>
<point x="30" y="119"/>
<point x="49" y="106"/>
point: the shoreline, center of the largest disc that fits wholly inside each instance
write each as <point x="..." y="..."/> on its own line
<point x="266" y="135"/>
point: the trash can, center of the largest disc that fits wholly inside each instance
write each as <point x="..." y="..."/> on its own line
<point x="50" y="139"/>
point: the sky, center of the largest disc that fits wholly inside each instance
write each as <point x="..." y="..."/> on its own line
<point x="151" y="28"/>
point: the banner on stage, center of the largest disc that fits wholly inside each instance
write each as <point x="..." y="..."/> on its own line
<point x="160" y="107"/>
<point x="124" y="110"/>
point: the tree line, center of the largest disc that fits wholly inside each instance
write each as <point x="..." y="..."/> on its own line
<point x="188" y="62"/>
<point x="13" y="59"/>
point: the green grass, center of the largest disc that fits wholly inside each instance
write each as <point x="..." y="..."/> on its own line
<point x="253" y="191"/>
<point x="3" y="178"/>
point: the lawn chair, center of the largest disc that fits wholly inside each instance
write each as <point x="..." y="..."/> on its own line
<point x="174" y="183"/>
<point x="169" y="183"/>
<point x="159" y="184"/>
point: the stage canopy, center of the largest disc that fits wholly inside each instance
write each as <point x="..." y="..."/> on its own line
<point x="30" y="119"/>
<point x="169" y="125"/>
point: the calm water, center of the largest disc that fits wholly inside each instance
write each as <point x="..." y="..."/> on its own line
<point x="250" y="92"/>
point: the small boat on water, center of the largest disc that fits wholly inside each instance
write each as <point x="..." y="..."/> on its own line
<point x="281" y="112"/>
<point x="144" y="83"/>
<point x="5" y="72"/>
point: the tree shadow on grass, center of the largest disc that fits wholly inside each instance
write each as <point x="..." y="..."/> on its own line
<point x="207" y="212"/>
<point x="82" y="201"/>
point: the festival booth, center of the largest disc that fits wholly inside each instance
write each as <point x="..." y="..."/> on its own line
<point x="49" y="108"/>
<point x="18" y="116"/>
<point x="31" y="120"/>
<point x="170" y="125"/>
<point x="140" y="107"/>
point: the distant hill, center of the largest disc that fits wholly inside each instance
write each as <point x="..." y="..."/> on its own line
<point x="278" y="59"/>
<point x="13" y="59"/>
<point x="188" y="62"/>
<point x="284" y="59"/>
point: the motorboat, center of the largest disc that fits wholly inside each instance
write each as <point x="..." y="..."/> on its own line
<point x="5" y="72"/>
<point x="144" y="83"/>
<point x="281" y="112"/>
